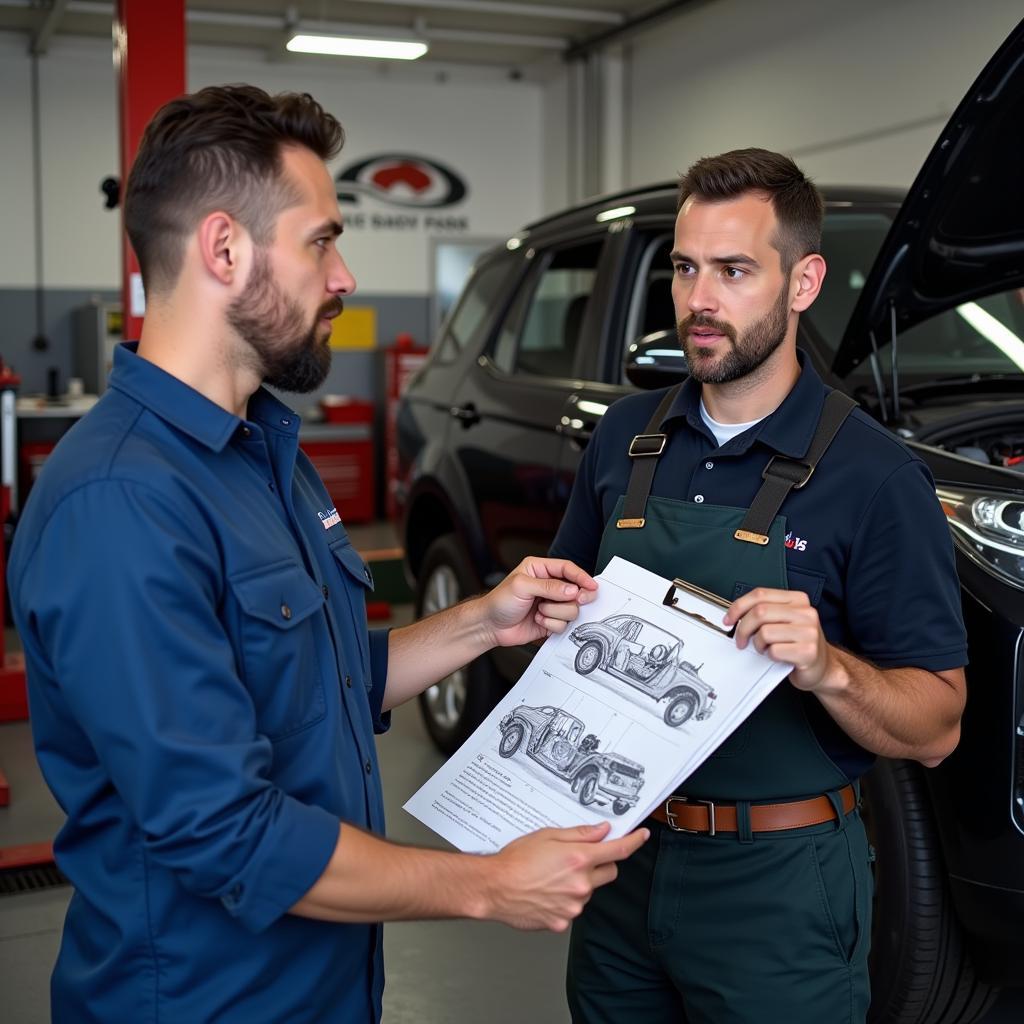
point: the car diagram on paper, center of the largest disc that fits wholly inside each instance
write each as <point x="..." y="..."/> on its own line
<point x="610" y="717"/>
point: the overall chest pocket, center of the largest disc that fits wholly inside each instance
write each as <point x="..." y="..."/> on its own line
<point x="277" y="647"/>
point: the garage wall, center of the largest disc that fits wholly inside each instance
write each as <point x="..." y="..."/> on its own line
<point x="856" y="92"/>
<point x="482" y="125"/>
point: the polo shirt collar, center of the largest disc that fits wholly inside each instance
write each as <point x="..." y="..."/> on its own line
<point x="788" y="431"/>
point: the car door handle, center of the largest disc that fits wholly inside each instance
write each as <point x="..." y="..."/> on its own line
<point x="465" y="414"/>
<point x="576" y="430"/>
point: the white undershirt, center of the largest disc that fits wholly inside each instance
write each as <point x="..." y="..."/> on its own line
<point x="724" y="432"/>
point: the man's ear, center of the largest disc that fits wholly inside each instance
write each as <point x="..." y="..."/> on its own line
<point x="808" y="276"/>
<point x="224" y="247"/>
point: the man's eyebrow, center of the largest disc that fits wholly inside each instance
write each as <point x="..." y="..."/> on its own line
<point x="737" y="260"/>
<point x="328" y="227"/>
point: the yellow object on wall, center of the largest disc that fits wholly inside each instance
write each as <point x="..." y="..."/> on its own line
<point x="355" y="328"/>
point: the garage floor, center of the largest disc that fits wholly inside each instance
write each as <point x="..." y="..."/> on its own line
<point x="438" y="972"/>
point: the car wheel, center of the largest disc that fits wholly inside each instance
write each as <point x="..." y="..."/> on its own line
<point x="921" y="972"/>
<point x="681" y="708"/>
<point x="588" y="657"/>
<point x="454" y="706"/>
<point x="620" y="806"/>
<point x="510" y="740"/>
<point x="588" y="788"/>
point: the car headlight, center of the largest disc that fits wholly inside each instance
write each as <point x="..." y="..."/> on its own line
<point x="615" y="780"/>
<point x="989" y="528"/>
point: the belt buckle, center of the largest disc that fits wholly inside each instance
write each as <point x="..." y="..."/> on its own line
<point x="670" y="817"/>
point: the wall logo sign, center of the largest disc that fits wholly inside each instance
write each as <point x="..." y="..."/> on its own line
<point x="401" y="179"/>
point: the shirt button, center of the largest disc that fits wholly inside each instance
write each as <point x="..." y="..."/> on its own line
<point x="286" y="423"/>
<point x="326" y="590"/>
<point x="366" y="573"/>
<point x="348" y="682"/>
<point x="286" y="612"/>
<point x="246" y="432"/>
<point x="699" y="498"/>
<point x="709" y="465"/>
<point x="271" y="486"/>
<point x="369" y="768"/>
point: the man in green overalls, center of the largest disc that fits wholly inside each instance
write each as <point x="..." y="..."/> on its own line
<point x="752" y="901"/>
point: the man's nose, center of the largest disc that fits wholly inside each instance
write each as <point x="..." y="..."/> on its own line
<point x="340" y="280"/>
<point x="701" y="298"/>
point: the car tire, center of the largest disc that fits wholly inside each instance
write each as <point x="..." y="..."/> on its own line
<point x="680" y="708"/>
<point x="588" y="788"/>
<point x="511" y="739"/>
<point x="620" y="806"/>
<point x="921" y="972"/>
<point x="588" y="657"/>
<point x="453" y="707"/>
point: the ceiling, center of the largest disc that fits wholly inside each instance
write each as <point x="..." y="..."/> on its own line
<point x="513" y="34"/>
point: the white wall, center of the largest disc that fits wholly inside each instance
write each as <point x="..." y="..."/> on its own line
<point x="487" y="128"/>
<point x="857" y="93"/>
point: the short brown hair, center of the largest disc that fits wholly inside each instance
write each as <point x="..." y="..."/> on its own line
<point x="797" y="203"/>
<point x="217" y="149"/>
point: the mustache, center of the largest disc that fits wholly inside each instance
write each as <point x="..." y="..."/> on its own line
<point x="331" y="309"/>
<point x="695" y="320"/>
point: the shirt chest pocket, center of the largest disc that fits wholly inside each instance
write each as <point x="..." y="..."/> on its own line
<point x="356" y="582"/>
<point x="279" y="612"/>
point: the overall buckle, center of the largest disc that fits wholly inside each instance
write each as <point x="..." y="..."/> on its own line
<point x="647" y="444"/>
<point x="670" y="817"/>
<point x="783" y="462"/>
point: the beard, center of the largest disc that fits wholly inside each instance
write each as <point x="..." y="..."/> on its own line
<point x="744" y="354"/>
<point x="284" y="348"/>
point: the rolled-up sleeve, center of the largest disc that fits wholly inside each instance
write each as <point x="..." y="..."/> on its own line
<point x="131" y="643"/>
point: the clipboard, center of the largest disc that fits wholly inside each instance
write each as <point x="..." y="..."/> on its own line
<point x="671" y="600"/>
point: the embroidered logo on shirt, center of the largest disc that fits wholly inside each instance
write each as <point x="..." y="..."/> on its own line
<point x="796" y="543"/>
<point x="329" y="518"/>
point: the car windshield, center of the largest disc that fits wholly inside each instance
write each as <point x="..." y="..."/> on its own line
<point x="982" y="337"/>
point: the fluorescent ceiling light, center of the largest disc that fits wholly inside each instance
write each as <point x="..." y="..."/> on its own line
<point x="351" y="46"/>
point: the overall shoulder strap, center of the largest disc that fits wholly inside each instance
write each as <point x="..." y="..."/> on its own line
<point x="645" y="450"/>
<point x="783" y="475"/>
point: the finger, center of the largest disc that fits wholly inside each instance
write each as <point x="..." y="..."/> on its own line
<point x="603" y="874"/>
<point x="567" y="611"/>
<point x="581" y="833"/>
<point x="550" y="625"/>
<point x="560" y="568"/>
<point x="556" y="590"/>
<point x="618" y="849"/>
<point x="761" y="595"/>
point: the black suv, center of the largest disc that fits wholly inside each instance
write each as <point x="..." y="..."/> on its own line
<point x="922" y="320"/>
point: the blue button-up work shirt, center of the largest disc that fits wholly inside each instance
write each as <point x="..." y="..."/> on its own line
<point x="203" y="696"/>
<point x="867" y="540"/>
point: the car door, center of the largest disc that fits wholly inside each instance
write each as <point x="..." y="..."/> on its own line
<point x="638" y="305"/>
<point x="509" y="404"/>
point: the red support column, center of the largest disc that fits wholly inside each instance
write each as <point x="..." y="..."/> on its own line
<point x="149" y="54"/>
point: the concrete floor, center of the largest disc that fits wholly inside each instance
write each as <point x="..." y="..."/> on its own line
<point x="437" y="972"/>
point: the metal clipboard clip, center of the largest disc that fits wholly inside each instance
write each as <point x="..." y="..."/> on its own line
<point x="672" y="601"/>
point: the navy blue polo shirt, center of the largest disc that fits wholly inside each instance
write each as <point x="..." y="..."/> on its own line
<point x="204" y="695"/>
<point x="867" y="540"/>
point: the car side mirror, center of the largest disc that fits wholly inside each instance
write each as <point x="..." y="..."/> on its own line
<point x="656" y="360"/>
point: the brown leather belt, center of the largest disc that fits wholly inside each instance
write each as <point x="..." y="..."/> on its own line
<point x="685" y="814"/>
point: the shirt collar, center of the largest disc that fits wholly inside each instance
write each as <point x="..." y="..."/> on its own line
<point x="186" y="409"/>
<point x="788" y="431"/>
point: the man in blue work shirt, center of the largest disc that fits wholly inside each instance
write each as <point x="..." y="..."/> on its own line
<point x="752" y="902"/>
<point x="203" y="688"/>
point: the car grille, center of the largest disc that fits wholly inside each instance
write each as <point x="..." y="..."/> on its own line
<point x="624" y="769"/>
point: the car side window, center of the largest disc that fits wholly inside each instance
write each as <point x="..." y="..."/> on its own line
<point x="651" y="308"/>
<point x="474" y="312"/>
<point x="541" y="332"/>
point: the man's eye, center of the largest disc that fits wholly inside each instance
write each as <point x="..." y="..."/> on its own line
<point x="683" y="268"/>
<point x="733" y="273"/>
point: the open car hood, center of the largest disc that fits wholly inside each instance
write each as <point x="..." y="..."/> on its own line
<point x="960" y="233"/>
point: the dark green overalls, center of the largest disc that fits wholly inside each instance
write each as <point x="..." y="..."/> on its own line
<point x="737" y="927"/>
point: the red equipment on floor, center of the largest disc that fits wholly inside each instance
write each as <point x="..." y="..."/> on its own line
<point x="341" y="449"/>
<point x="401" y="362"/>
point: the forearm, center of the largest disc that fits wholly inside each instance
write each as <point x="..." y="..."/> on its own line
<point x="900" y="712"/>
<point x="424" y="652"/>
<point x="371" y="879"/>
